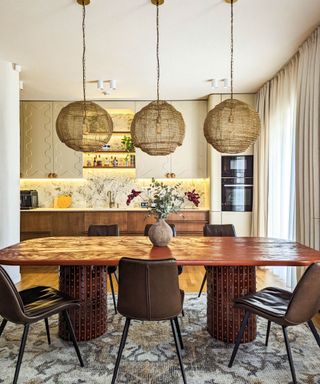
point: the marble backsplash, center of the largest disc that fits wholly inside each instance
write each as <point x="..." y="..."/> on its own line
<point x="92" y="190"/>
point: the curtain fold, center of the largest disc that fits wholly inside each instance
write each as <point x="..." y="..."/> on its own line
<point x="261" y="166"/>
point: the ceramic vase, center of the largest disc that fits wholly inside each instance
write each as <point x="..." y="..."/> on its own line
<point x="160" y="233"/>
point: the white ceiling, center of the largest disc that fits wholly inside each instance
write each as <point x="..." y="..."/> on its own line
<point x="44" y="37"/>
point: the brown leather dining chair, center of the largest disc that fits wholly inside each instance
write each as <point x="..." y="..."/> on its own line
<point x="216" y="230"/>
<point x="284" y="308"/>
<point x="107" y="230"/>
<point x="149" y="291"/>
<point x="32" y="305"/>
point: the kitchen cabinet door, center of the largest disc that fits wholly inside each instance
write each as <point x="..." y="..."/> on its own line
<point x="36" y="139"/>
<point x="67" y="163"/>
<point x="190" y="159"/>
<point x="42" y="153"/>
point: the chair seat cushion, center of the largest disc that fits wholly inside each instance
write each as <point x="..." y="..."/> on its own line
<point x="42" y="300"/>
<point x="269" y="302"/>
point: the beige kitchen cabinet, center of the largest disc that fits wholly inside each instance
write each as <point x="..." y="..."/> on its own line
<point x="188" y="160"/>
<point x="42" y="153"/>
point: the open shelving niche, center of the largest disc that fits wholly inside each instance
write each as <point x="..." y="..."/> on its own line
<point x="105" y="158"/>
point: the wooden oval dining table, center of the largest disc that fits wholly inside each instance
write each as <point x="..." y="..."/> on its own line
<point x="230" y="262"/>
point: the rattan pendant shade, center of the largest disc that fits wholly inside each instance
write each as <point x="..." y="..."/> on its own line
<point x="84" y="133"/>
<point x="83" y="125"/>
<point x="158" y="129"/>
<point x="232" y="126"/>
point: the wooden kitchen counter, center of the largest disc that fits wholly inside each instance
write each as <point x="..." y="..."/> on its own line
<point x="75" y="222"/>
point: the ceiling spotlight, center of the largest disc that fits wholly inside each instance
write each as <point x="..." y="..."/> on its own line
<point x="21" y="85"/>
<point x="214" y="84"/>
<point x="17" y="67"/>
<point x="226" y="83"/>
<point x="100" y="85"/>
<point x="113" y="84"/>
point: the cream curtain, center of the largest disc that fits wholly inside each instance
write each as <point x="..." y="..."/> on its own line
<point x="308" y="143"/>
<point x="287" y="154"/>
<point x="274" y="195"/>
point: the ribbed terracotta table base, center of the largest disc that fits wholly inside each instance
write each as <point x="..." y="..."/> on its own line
<point x="88" y="285"/>
<point x="223" y="285"/>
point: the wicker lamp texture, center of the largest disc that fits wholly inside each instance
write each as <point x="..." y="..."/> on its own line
<point x="87" y="134"/>
<point x="158" y="129"/>
<point x="232" y="126"/>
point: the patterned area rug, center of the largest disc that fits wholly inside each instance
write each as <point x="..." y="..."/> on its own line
<point x="149" y="355"/>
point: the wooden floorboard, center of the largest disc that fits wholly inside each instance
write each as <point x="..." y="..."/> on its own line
<point x="190" y="280"/>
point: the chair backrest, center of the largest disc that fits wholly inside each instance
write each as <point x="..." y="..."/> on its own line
<point x="148" y="226"/>
<point x="305" y="301"/>
<point x="11" y="305"/>
<point x="149" y="289"/>
<point x="103" y="230"/>
<point x="224" y="230"/>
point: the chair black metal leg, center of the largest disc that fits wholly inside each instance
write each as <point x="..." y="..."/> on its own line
<point x="313" y="330"/>
<point x="121" y="347"/>
<point x="182" y="313"/>
<point x="21" y="351"/>
<point x="176" y="341"/>
<point x="293" y="373"/>
<point x="203" y="283"/>
<point x="47" y="330"/>
<point x="239" y="337"/>
<point x="3" y="325"/>
<point x="116" y="276"/>
<point x="73" y="336"/>
<point x="113" y="295"/>
<point x="268" y="332"/>
<point x="179" y="332"/>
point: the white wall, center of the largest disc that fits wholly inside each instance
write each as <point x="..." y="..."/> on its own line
<point x="241" y="220"/>
<point x="9" y="160"/>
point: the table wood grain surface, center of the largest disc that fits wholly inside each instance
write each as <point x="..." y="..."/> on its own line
<point x="211" y="251"/>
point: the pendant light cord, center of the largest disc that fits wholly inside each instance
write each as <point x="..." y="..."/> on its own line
<point x="84" y="61"/>
<point x="157" y="54"/>
<point x="231" y="53"/>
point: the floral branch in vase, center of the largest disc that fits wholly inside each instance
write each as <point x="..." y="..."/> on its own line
<point x="162" y="199"/>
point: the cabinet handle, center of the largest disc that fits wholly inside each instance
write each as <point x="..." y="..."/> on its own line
<point x="52" y="175"/>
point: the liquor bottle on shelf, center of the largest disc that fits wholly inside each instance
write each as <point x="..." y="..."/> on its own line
<point x="89" y="162"/>
<point x="99" y="161"/>
<point x="107" y="162"/>
<point x="111" y="162"/>
<point x="95" y="161"/>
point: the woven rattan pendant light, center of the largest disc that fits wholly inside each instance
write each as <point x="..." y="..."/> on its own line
<point x="83" y="125"/>
<point x="232" y="126"/>
<point x="158" y="128"/>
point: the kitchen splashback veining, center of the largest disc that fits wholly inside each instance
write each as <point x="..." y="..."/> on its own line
<point x="94" y="190"/>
